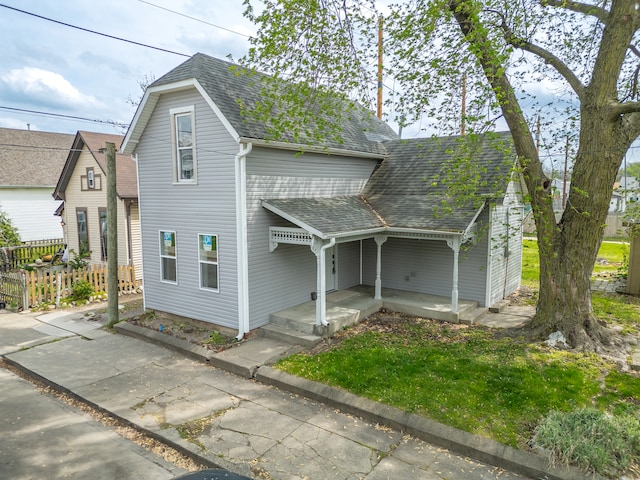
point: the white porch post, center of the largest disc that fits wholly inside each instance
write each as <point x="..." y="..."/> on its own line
<point x="318" y="247"/>
<point x="454" y="244"/>
<point x="380" y="239"/>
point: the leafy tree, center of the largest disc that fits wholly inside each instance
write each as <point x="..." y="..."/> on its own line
<point x="504" y="51"/>
<point x="631" y="170"/>
<point x="9" y="235"/>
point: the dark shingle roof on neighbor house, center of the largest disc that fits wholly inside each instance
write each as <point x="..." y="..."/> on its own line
<point x="30" y="158"/>
<point x="126" y="173"/>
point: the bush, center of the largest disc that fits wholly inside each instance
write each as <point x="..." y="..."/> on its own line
<point x="591" y="439"/>
<point x="82" y="290"/>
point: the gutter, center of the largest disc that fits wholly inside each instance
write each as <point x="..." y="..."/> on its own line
<point x="299" y="147"/>
<point x="241" y="238"/>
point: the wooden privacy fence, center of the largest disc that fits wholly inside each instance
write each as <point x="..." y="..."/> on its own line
<point x="49" y="285"/>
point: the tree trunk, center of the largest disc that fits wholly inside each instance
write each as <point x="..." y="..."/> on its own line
<point x="568" y="255"/>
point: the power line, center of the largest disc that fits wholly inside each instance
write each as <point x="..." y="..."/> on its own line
<point x="195" y="19"/>
<point x="60" y="115"/>
<point x="93" y="31"/>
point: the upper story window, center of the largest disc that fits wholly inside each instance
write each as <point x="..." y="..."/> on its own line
<point x="91" y="181"/>
<point x="184" y="144"/>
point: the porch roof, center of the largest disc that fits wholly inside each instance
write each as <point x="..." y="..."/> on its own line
<point x="344" y="216"/>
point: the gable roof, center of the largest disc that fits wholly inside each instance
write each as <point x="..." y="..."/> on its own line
<point x="410" y="190"/>
<point x="30" y="158"/>
<point x="126" y="172"/>
<point x="361" y="132"/>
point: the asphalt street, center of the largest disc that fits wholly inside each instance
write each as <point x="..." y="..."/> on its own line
<point x="44" y="438"/>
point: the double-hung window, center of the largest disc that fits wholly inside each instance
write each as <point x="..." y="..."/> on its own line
<point x="168" y="257"/>
<point x="183" y="121"/>
<point x="102" y="217"/>
<point x="83" y="231"/>
<point x="208" y="259"/>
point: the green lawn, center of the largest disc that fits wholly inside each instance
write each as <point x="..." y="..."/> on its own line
<point x="469" y="378"/>
<point x="610" y="259"/>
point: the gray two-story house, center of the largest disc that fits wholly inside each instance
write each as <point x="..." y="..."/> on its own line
<point x="236" y="226"/>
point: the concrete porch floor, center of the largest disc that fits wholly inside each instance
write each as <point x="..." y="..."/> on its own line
<point x="345" y="307"/>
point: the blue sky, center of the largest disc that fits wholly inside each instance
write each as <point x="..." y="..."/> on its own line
<point x="45" y="66"/>
<point x="49" y="67"/>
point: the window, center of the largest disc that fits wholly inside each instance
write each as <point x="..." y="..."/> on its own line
<point x="184" y="142"/>
<point x="168" y="259"/>
<point x="91" y="181"/>
<point x="208" y="258"/>
<point x="83" y="232"/>
<point x="102" y="217"/>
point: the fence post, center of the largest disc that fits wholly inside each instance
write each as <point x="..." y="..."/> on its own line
<point x="25" y="294"/>
<point x="58" y="288"/>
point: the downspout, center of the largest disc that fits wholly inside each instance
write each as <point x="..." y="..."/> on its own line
<point x="241" y="239"/>
<point x="144" y="295"/>
<point x="321" y="306"/>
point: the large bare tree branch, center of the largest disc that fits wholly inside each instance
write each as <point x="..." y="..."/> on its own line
<point x="625" y="108"/>
<point x="542" y="53"/>
<point x="598" y="12"/>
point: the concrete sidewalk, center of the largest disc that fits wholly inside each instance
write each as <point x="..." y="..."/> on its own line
<point x="249" y="426"/>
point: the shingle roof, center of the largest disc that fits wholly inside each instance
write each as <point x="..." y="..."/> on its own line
<point x="126" y="173"/>
<point x="408" y="190"/>
<point x="30" y="158"/>
<point x="413" y="186"/>
<point x="328" y="216"/>
<point x="361" y="133"/>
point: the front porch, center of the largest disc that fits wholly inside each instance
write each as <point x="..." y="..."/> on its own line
<point x="345" y="307"/>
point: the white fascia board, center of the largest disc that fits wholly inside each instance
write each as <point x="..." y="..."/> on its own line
<point x="475" y="217"/>
<point x="299" y="147"/>
<point x="217" y="111"/>
<point x="150" y="100"/>
<point x="293" y="220"/>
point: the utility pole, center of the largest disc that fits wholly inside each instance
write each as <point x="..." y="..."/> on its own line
<point x="463" y="111"/>
<point x="112" y="236"/>
<point x="380" y="66"/>
<point x="564" y="178"/>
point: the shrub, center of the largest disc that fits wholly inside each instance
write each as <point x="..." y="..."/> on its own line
<point x="591" y="439"/>
<point x="82" y="290"/>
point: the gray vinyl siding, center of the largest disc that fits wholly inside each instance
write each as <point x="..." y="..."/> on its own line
<point x="348" y="258"/>
<point x="426" y="266"/>
<point x="207" y="207"/>
<point x="287" y="276"/>
<point x="505" y="247"/>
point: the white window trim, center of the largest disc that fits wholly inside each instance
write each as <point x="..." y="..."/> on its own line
<point x="174" y="112"/>
<point x="217" y="263"/>
<point x="175" y="236"/>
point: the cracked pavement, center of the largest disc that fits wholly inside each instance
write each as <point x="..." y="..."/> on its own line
<point x="235" y="423"/>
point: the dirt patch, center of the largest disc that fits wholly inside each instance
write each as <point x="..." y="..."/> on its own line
<point x="200" y="333"/>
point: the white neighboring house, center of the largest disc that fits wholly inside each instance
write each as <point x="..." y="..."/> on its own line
<point x="30" y="164"/>
<point x="628" y="191"/>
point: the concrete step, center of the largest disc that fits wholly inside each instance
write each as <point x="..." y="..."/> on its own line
<point x="498" y="307"/>
<point x="473" y="315"/>
<point x="294" y="337"/>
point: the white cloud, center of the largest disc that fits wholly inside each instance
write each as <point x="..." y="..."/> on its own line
<point x="37" y="85"/>
<point x="7" y="122"/>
